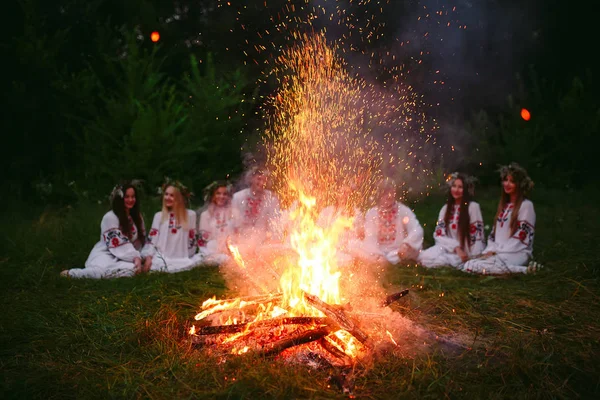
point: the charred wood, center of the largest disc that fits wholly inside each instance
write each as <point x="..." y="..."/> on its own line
<point x="221" y="329"/>
<point x="299" y="337"/>
<point x="338" y="316"/>
<point x="394" y="297"/>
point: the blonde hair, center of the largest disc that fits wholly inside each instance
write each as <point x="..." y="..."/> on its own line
<point x="179" y="208"/>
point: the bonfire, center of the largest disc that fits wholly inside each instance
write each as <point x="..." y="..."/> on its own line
<point x="320" y="136"/>
<point x="307" y="308"/>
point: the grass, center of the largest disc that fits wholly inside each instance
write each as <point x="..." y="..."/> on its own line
<point x="528" y="336"/>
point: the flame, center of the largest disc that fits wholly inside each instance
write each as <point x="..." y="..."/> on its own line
<point x="315" y="271"/>
<point x="235" y="252"/>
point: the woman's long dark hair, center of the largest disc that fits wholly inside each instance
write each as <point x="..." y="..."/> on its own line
<point x="464" y="221"/>
<point x="118" y="207"/>
<point x="523" y="184"/>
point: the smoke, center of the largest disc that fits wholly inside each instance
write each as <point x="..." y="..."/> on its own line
<point x="460" y="56"/>
<point x="458" y="53"/>
<point x="475" y="48"/>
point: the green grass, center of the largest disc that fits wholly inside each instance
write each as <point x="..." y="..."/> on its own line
<point x="526" y="336"/>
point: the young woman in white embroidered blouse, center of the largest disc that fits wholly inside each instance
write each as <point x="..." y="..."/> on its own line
<point x="122" y="233"/>
<point x="510" y="244"/>
<point x="217" y="223"/>
<point x="171" y="245"/>
<point x="458" y="233"/>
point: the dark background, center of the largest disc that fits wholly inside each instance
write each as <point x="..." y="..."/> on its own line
<point x="89" y="99"/>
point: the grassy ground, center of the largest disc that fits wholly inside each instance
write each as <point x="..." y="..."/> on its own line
<point x="528" y="336"/>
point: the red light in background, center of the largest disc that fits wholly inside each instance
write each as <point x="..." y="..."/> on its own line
<point x="525" y="114"/>
<point x="155" y="36"/>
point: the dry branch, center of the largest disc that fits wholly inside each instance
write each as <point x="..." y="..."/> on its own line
<point x="304" y="336"/>
<point x="394" y="297"/>
<point x="332" y="348"/>
<point x="338" y="316"/>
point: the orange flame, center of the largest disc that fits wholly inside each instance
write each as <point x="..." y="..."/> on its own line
<point x="316" y="271"/>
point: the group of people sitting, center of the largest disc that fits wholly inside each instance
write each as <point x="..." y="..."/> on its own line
<point x="387" y="233"/>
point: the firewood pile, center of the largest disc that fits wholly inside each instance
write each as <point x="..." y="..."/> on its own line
<point x="333" y="335"/>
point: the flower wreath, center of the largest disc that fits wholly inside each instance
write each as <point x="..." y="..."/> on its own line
<point x="213" y="186"/>
<point x="185" y="192"/>
<point x="519" y="175"/>
<point x="469" y="182"/>
<point x="117" y="190"/>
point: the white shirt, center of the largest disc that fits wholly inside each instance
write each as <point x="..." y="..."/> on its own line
<point x="390" y="228"/>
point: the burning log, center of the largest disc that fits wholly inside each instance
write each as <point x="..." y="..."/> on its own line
<point x="219" y="306"/>
<point x="333" y="349"/>
<point x="394" y="297"/>
<point x="300" y="336"/>
<point x="221" y="329"/>
<point x="339" y="317"/>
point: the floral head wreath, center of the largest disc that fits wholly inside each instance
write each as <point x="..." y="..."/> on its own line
<point x="117" y="190"/>
<point x="519" y="175"/>
<point x="185" y="192"/>
<point x="468" y="181"/>
<point x="210" y="189"/>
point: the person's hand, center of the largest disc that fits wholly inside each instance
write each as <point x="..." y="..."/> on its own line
<point x="461" y="253"/>
<point x="147" y="263"/>
<point x="137" y="262"/>
<point x="404" y="251"/>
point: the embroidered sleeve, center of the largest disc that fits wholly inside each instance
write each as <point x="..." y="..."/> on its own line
<point x="114" y="238"/>
<point x="202" y="238"/>
<point x="440" y="227"/>
<point x="476" y="233"/>
<point x="204" y="232"/>
<point x="116" y="242"/>
<point x="525" y="233"/>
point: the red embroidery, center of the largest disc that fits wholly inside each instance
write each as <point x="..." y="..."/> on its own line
<point x="153" y="232"/>
<point x="253" y="209"/>
<point x="115" y="242"/>
<point x="387" y="224"/>
<point x="203" y="237"/>
<point x="173" y="231"/>
<point x="220" y="221"/>
<point x="453" y="226"/>
<point x="438" y="232"/>
<point x="192" y="234"/>
<point x="522" y="236"/>
<point x="503" y="217"/>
